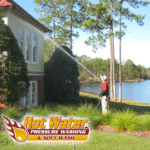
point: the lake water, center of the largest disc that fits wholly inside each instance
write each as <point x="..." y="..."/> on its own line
<point x="138" y="90"/>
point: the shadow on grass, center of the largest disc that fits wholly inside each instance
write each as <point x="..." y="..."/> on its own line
<point x="123" y="106"/>
<point x="115" y="105"/>
<point x="89" y="100"/>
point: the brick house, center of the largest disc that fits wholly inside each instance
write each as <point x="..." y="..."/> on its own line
<point x="30" y="35"/>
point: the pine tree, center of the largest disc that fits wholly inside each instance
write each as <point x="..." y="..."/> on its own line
<point x="100" y="20"/>
<point x="74" y="14"/>
<point x="51" y="14"/>
<point x="130" y="16"/>
<point x="64" y="15"/>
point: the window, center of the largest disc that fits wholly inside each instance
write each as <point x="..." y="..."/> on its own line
<point x="28" y="45"/>
<point x="34" y="93"/>
<point x="30" y="100"/>
<point x="27" y="41"/>
<point x="20" y="38"/>
<point x="34" y="47"/>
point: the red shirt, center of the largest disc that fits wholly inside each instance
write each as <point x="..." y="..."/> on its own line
<point x="105" y="86"/>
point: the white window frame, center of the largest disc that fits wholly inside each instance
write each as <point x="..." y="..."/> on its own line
<point x="33" y="34"/>
<point x="23" y="100"/>
<point x="19" y="40"/>
<point x="24" y="50"/>
<point x="30" y="46"/>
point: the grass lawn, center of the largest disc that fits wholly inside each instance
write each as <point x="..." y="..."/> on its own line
<point x="97" y="141"/>
<point x="125" y="101"/>
<point x="134" y="105"/>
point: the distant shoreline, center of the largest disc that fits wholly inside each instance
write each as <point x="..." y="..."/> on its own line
<point x="88" y="82"/>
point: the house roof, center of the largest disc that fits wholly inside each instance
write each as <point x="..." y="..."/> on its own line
<point x="5" y="3"/>
<point x="14" y="6"/>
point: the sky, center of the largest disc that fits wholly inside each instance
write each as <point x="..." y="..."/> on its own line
<point x="135" y="44"/>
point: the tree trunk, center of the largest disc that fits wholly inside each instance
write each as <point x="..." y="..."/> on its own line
<point x="112" y="65"/>
<point x="111" y="83"/>
<point x="120" y="83"/>
<point x="53" y="34"/>
<point x="111" y="75"/>
<point x="71" y="28"/>
<point x="114" y="80"/>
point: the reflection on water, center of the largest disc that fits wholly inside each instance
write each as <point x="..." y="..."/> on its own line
<point x="139" y="90"/>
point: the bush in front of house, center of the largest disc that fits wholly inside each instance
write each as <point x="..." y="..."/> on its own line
<point x="13" y="112"/>
<point x="61" y="78"/>
<point x="13" y="69"/>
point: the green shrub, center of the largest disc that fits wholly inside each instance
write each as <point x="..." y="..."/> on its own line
<point x="125" y="120"/>
<point x="120" y="120"/>
<point x="13" y="113"/>
<point x="144" y="121"/>
<point x="65" y="110"/>
<point x="147" y="123"/>
<point x="61" y="78"/>
<point x="82" y="78"/>
<point x="107" y="117"/>
<point x="88" y="111"/>
<point x="41" y="111"/>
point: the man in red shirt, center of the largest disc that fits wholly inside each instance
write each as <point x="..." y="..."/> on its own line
<point x="104" y="87"/>
<point x="105" y="93"/>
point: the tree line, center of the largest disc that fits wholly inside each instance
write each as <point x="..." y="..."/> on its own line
<point x="99" y="66"/>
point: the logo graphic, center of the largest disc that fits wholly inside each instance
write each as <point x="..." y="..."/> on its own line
<point x="53" y="129"/>
<point x="20" y="134"/>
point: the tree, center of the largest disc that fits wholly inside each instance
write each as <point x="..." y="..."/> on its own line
<point x="112" y="63"/>
<point x="133" y="72"/>
<point x="120" y="82"/>
<point x="99" y="21"/>
<point x="48" y="48"/>
<point x="129" y="70"/>
<point x="142" y="72"/>
<point x="73" y="16"/>
<point x="13" y="67"/>
<point x="130" y="16"/>
<point x="148" y="73"/>
<point x="51" y="14"/>
<point x="101" y="17"/>
<point x="84" y="60"/>
<point x="63" y="16"/>
<point x="97" y="66"/>
<point x="61" y="78"/>
<point x="107" y="67"/>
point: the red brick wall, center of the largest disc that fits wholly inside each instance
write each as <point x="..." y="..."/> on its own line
<point x="40" y="87"/>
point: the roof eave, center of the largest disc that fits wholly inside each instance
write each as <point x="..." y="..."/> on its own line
<point x="14" y="6"/>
